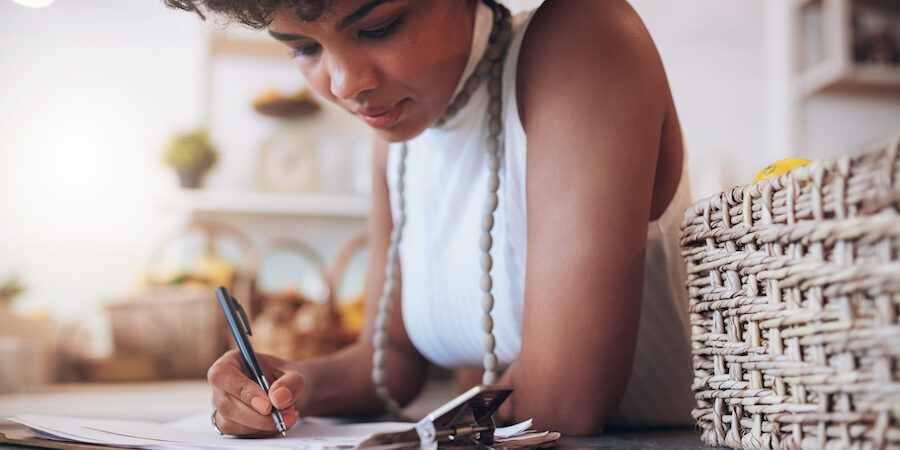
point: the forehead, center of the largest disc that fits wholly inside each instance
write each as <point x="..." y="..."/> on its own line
<point x="328" y="11"/>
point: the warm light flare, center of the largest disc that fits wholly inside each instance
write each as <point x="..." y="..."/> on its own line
<point x="34" y="3"/>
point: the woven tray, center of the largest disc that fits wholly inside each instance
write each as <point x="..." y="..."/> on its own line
<point x="794" y="287"/>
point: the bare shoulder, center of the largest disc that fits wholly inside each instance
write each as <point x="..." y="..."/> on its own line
<point x="586" y="49"/>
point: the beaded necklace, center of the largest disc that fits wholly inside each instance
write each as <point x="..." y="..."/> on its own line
<point x="489" y="67"/>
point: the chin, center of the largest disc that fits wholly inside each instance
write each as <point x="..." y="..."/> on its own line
<point x="400" y="133"/>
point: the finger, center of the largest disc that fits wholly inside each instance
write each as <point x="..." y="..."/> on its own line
<point x="287" y="389"/>
<point x="237" y="413"/>
<point x="233" y="428"/>
<point x="227" y="374"/>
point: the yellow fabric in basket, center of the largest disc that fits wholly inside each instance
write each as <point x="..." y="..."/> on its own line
<point x="779" y="167"/>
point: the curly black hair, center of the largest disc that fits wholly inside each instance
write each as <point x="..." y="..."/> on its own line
<point x="254" y="13"/>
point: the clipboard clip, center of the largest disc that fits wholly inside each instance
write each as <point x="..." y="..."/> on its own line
<point x="465" y="421"/>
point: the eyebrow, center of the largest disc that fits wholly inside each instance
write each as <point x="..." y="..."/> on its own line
<point x="357" y="15"/>
<point x="354" y="17"/>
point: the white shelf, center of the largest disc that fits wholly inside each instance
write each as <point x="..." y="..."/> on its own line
<point x="831" y="30"/>
<point x="827" y="77"/>
<point x="238" y="202"/>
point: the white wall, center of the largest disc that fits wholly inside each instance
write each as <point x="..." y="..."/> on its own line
<point x="713" y="57"/>
<point x="89" y="92"/>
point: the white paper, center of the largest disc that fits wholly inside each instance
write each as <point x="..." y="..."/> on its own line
<point x="196" y="432"/>
<point x="512" y="430"/>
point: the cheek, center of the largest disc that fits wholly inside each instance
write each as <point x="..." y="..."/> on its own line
<point x="318" y="80"/>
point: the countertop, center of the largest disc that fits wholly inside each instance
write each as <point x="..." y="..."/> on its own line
<point x="170" y="400"/>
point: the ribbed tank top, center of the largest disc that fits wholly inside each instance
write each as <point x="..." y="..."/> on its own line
<point x="446" y="187"/>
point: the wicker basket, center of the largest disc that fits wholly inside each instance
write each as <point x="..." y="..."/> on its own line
<point x="180" y="327"/>
<point x="794" y="287"/>
<point x="291" y="325"/>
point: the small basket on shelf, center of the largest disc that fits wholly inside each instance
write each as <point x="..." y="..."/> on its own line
<point x="794" y="286"/>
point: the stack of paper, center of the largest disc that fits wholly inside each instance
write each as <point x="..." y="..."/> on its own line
<point x="197" y="432"/>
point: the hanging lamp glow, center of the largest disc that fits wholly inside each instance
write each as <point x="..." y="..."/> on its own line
<point x="34" y="3"/>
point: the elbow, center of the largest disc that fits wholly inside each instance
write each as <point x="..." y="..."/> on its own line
<point x="568" y="413"/>
<point x="588" y="420"/>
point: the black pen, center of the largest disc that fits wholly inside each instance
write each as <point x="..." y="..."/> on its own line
<point x="240" y="330"/>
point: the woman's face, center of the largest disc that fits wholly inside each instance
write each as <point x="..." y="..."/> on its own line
<point x="393" y="63"/>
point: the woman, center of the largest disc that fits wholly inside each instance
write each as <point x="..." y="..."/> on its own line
<point x="537" y="279"/>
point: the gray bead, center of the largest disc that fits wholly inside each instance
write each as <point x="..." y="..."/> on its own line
<point x="489" y="378"/>
<point x="382" y="321"/>
<point x="487" y="302"/>
<point x="497" y="69"/>
<point x="494" y="162"/>
<point x="461" y="100"/>
<point x="487" y="224"/>
<point x="383" y="393"/>
<point x="493" y="144"/>
<point x="472" y="84"/>
<point x="378" y="376"/>
<point x="392" y="253"/>
<point x="491" y="204"/>
<point x="392" y="405"/>
<point x="486" y="283"/>
<point x="494" y="126"/>
<point x="494" y="88"/>
<point x="378" y="358"/>
<point x="379" y="340"/>
<point x="401" y="185"/>
<point x="451" y="111"/>
<point x="493" y="183"/>
<point x="494" y="51"/>
<point x="486" y="242"/>
<point x="490" y="362"/>
<point x="494" y="107"/>
<point x="484" y="68"/>
<point x="487" y="262"/>
<point x="504" y="35"/>
<point x="387" y="290"/>
<point x="489" y="343"/>
<point x="487" y="323"/>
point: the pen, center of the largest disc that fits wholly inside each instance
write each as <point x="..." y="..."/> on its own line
<point x="240" y="330"/>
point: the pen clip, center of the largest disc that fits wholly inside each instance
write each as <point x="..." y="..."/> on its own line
<point x="245" y="322"/>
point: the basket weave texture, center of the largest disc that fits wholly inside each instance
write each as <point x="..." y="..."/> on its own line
<point x="794" y="287"/>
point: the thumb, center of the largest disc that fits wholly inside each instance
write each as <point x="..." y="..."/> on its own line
<point x="287" y="389"/>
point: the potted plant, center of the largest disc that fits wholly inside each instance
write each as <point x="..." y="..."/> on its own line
<point x="10" y="288"/>
<point x="191" y="155"/>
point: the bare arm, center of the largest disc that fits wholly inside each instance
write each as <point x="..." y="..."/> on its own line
<point x="593" y="99"/>
<point x="342" y="383"/>
<point x="335" y="384"/>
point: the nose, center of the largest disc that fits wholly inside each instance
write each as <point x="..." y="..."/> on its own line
<point x="351" y="75"/>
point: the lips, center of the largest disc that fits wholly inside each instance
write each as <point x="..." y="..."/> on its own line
<point x="383" y="116"/>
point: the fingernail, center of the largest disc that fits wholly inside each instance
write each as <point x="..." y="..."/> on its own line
<point x="260" y="404"/>
<point x="281" y="396"/>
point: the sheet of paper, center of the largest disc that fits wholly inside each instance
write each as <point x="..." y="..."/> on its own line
<point x="512" y="430"/>
<point x="196" y="432"/>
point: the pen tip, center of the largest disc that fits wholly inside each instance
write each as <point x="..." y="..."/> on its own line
<point x="284" y="433"/>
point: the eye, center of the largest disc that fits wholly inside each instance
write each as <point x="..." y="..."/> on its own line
<point x="306" y="50"/>
<point x="381" y="32"/>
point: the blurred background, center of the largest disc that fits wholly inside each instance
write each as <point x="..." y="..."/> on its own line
<point x="146" y="157"/>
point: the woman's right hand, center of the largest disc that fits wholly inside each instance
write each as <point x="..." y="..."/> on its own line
<point x="242" y="406"/>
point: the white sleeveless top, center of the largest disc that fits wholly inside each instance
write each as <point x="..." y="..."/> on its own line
<point x="446" y="187"/>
